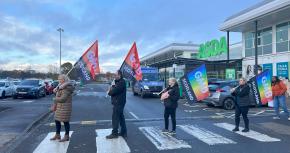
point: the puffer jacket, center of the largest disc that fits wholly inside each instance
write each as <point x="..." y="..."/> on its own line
<point x="172" y="100"/>
<point x="242" y="95"/>
<point x="279" y="88"/>
<point x="63" y="101"/>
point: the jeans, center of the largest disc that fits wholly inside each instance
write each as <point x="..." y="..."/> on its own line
<point x="172" y="113"/>
<point x="244" y="111"/>
<point x="58" y="127"/>
<point x="118" y="119"/>
<point x="280" y="100"/>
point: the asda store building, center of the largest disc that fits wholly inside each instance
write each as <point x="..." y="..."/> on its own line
<point x="265" y="29"/>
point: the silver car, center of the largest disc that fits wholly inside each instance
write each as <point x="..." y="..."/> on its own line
<point x="220" y="95"/>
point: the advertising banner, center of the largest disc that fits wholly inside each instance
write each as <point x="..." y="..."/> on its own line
<point x="283" y="69"/>
<point x="268" y="66"/>
<point x="230" y="74"/>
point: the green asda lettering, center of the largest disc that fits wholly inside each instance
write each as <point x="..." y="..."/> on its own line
<point x="212" y="48"/>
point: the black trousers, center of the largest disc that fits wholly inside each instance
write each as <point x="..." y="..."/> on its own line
<point x="172" y="113"/>
<point x="244" y="112"/>
<point x="118" y="119"/>
<point x="58" y="127"/>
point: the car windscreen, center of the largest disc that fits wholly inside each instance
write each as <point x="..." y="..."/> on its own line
<point x="2" y="84"/>
<point x="16" y="83"/>
<point x="150" y="77"/>
<point x="226" y="88"/>
<point x="30" y="82"/>
<point x="213" y="87"/>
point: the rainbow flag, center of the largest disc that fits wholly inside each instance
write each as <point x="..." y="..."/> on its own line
<point x="195" y="84"/>
<point x="261" y="87"/>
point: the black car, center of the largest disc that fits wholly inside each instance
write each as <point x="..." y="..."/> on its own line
<point x="34" y="88"/>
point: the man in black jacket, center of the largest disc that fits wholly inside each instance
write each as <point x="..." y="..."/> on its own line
<point x="117" y="92"/>
<point x="242" y="104"/>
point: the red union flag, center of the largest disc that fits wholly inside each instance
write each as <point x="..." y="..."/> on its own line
<point x="131" y="66"/>
<point x="88" y="64"/>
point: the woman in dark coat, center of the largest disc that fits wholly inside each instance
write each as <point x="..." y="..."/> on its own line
<point x="242" y="104"/>
<point x="170" y="97"/>
<point x="63" y="102"/>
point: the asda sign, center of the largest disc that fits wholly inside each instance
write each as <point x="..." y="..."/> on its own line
<point x="212" y="48"/>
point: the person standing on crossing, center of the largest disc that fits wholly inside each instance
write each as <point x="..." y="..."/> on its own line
<point x="117" y="91"/>
<point x="242" y="104"/>
<point x="63" y="102"/>
<point x="279" y="90"/>
<point x="170" y="96"/>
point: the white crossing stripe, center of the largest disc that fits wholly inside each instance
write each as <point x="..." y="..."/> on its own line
<point x="163" y="141"/>
<point x="206" y="136"/>
<point x="104" y="145"/>
<point x="134" y="115"/>
<point x="251" y="134"/>
<point x="48" y="146"/>
<point x="28" y="101"/>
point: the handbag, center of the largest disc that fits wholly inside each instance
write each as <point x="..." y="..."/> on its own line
<point x="164" y="96"/>
<point x="53" y="107"/>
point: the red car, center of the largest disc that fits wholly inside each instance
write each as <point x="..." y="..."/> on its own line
<point x="48" y="88"/>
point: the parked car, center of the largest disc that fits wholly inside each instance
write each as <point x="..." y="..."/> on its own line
<point x="73" y="82"/>
<point x="6" y="88"/>
<point x="220" y="94"/>
<point x="30" y="88"/>
<point x="48" y="88"/>
<point x="54" y="84"/>
<point x="16" y="83"/>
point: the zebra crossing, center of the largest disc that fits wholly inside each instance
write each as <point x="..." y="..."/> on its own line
<point x="160" y="141"/>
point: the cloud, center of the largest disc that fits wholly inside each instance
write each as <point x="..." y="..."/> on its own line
<point x="28" y="27"/>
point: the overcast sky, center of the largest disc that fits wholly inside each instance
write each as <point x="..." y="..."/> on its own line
<point x="28" y="35"/>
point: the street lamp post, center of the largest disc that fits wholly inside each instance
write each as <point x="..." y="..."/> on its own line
<point x="60" y="30"/>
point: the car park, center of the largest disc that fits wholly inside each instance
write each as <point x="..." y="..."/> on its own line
<point x="34" y="88"/>
<point x="6" y="88"/>
<point x="220" y="94"/>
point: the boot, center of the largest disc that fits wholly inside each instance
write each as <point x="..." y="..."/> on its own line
<point x="65" y="138"/>
<point x="112" y="136"/>
<point x="56" y="137"/>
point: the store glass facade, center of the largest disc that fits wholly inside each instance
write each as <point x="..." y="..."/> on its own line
<point x="282" y="37"/>
<point x="264" y="42"/>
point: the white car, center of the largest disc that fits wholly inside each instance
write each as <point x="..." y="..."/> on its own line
<point x="6" y="88"/>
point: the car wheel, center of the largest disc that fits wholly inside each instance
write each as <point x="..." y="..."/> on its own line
<point x="209" y="105"/>
<point x="3" y="95"/>
<point x="43" y="94"/>
<point x="134" y="93"/>
<point x="15" y="97"/>
<point x="142" y="94"/>
<point x="229" y="104"/>
<point x="37" y="95"/>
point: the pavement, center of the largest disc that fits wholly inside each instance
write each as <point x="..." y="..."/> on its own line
<point x="18" y="116"/>
<point x="200" y="129"/>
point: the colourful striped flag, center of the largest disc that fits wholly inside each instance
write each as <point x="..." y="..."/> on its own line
<point x="195" y="84"/>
